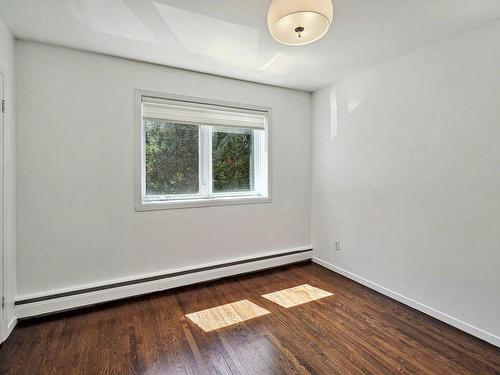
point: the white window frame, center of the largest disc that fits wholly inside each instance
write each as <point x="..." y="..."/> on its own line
<point x="205" y="197"/>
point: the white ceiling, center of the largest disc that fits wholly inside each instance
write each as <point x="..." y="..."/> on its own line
<point x="230" y="37"/>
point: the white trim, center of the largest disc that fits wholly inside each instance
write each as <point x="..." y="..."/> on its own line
<point x="91" y="298"/>
<point x="4" y="331"/>
<point x="197" y="99"/>
<point x="202" y="202"/>
<point x="457" y="323"/>
<point x="10" y="328"/>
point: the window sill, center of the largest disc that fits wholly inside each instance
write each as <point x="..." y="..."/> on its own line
<point x="203" y="202"/>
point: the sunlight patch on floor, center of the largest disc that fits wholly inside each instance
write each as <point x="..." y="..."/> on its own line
<point x="297" y="295"/>
<point x="226" y="315"/>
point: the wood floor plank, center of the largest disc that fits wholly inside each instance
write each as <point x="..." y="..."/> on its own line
<point x="429" y="331"/>
<point x="354" y="331"/>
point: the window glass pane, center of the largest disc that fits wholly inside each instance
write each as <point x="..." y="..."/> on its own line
<point x="172" y="155"/>
<point x="232" y="159"/>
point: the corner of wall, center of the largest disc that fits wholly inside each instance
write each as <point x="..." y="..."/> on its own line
<point x="7" y="61"/>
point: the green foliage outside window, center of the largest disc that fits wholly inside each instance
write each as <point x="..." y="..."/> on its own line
<point x="232" y="161"/>
<point x="172" y="159"/>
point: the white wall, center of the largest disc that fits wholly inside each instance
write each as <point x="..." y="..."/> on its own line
<point x="76" y="217"/>
<point x="7" y="59"/>
<point x="411" y="183"/>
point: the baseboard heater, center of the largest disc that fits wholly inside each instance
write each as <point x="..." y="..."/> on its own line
<point x="31" y="306"/>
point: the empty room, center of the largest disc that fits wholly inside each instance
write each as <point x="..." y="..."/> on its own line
<point x="250" y="187"/>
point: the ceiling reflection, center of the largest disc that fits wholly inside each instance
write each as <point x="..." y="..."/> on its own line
<point x="115" y="19"/>
<point x="279" y="64"/>
<point x="212" y="37"/>
<point x="181" y="32"/>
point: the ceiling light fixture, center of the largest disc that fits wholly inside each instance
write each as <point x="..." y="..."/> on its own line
<point x="299" y="22"/>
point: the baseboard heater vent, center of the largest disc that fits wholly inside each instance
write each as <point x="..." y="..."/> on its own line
<point x="79" y="297"/>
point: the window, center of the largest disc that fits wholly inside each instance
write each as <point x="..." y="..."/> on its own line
<point x="193" y="153"/>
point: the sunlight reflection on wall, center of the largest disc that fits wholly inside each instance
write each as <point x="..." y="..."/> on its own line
<point x="346" y="96"/>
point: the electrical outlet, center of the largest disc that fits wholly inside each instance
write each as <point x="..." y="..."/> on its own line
<point x="337" y="245"/>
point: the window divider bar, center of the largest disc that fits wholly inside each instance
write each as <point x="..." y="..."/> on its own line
<point x="209" y="160"/>
<point x="204" y="160"/>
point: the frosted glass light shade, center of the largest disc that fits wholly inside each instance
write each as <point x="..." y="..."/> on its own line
<point x="298" y="22"/>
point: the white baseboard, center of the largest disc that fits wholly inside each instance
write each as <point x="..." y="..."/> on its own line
<point x="49" y="302"/>
<point x="466" y="327"/>
<point x="9" y="329"/>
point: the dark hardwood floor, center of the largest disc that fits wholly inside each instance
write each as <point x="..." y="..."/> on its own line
<point x="354" y="331"/>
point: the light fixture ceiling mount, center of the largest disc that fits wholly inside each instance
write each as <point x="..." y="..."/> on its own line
<point x="299" y="22"/>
